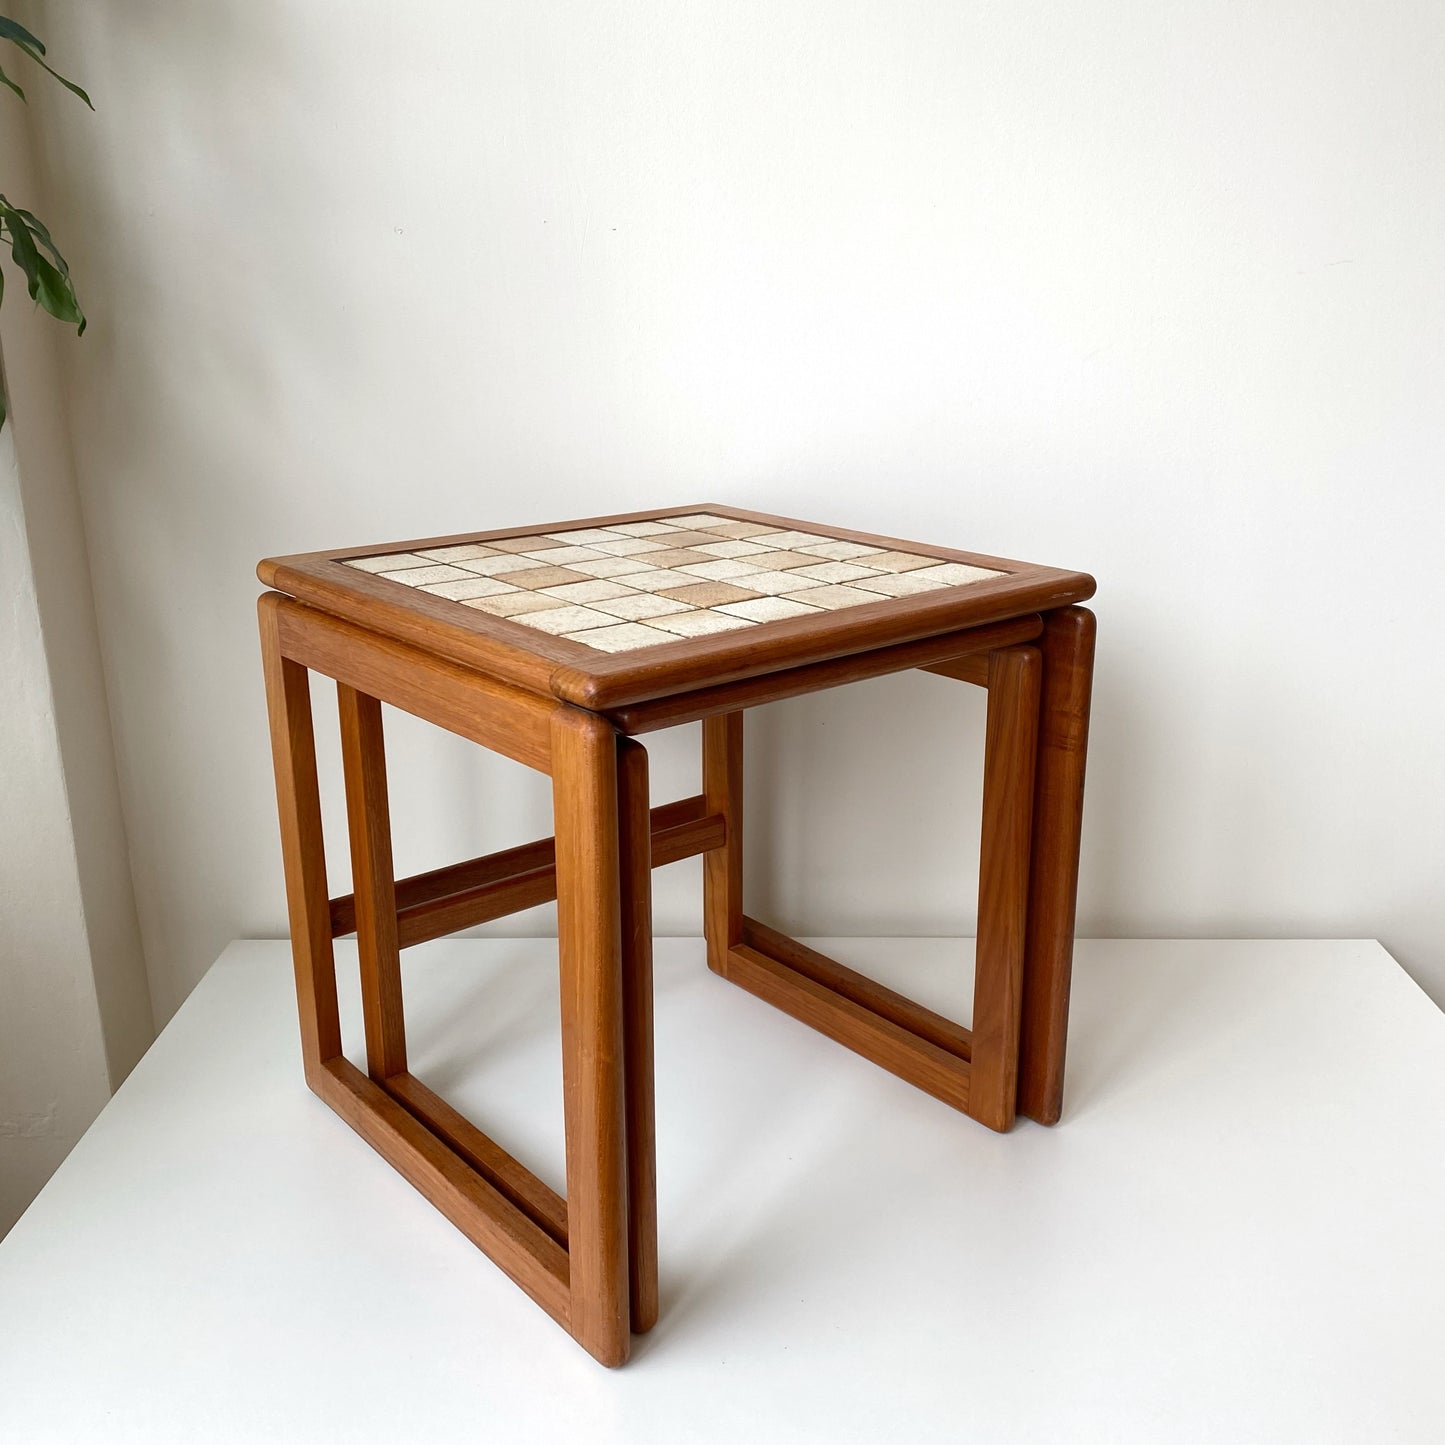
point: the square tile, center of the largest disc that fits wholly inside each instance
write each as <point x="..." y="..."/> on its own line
<point x="638" y="605"/>
<point x="768" y="609"/>
<point x="958" y="574"/>
<point x="899" y="561"/>
<point x="834" y="597"/>
<point x="740" y="529"/>
<point x="581" y="538"/>
<point x="628" y="546"/>
<point x="700" y="624"/>
<point x="615" y="566"/>
<point x="514" y="604"/>
<point x="469" y="587"/>
<point x="560" y="556"/>
<point x="657" y="581"/>
<point x="642" y="529"/>
<point x="703" y="521"/>
<point x="595" y="590"/>
<point x="536" y="578"/>
<point x="459" y="553"/>
<point x="388" y="562"/>
<point x="420" y="576"/>
<point x="900" y="584"/>
<point x="678" y="557"/>
<point x="720" y="570"/>
<point x="520" y="544"/>
<point x="622" y="638"/>
<point x="558" y="620"/>
<point x="835" y="571"/>
<point x="501" y="564"/>
<point x="730" y="548"/>
<point x="781" y="561"/>
<point x="776" y="583"/>
<point x="839" y="551"/>
<point x="710" y="594"/>
<point x="786" y="541"/>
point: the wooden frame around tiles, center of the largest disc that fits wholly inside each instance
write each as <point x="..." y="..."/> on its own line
<point x="591" y="1260"/>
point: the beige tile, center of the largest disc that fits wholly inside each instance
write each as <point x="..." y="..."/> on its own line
<point x="686" y="539"/>
<point x="840" y="551"/>
<point x="622" y="638"/>
<point x="899" y="561"/>
<point x="628" y="546"/>
<point x="515" y="603"/>
<point x="642" y="529"/>
<point x="769" y="609"/>
<point x="720" y="570"/>
<point x="834" y="597"/>
<point x="536" y="578"/>
<point x="781" y="561"/>
<point x="471" y="587"/>
<point x="565" y="619"/>
<point x="641" y="604"/>
<point x="740" y="529"/>
<point x="958" y="574"/>
<point x="387" y="562"/>
<point x="835" y="571"/>
<point x="594" y="590"/>
<point x="701" y="520"/>
<point x="678" y="557"/>
<point x="775" y="583"/>
<point x="501" y="564"/>
<point x="420" y="576"/>
<point x="519" y="544"/>
<point x="730" y="548"/>
<point x="700" y="624"/>
<point x="582" y="537"/>
<point x="785" y="541"/>
<point x="660" y="580"/>
<point x="459" y="553"/>
<point x="710" y="594"/>
<point x="561" y="556"/>
<point x="615" y="566"/>
<point x="898" y="584"/>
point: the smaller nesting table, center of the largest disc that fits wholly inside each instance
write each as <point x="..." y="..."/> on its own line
<point x="557" y="646"/>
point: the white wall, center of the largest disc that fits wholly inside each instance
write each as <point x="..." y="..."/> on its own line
<point x="1153" y="291"/>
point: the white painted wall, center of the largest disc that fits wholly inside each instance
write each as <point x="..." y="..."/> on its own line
<point x="1153" y="291"/>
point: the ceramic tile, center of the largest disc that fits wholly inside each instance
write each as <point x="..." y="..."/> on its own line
<point x="622" y="638"/>
<point x="834" y="597"/>
<point x="637" y="605"/>
<point x="840" y="551"/>
<point x="457" y="554"/>
<point x="700" y="623"/>
<point x="565" y="619"/>
<point x="711" y="594"/>
<point x="595" y="590"/>
<point x="835" y="571"/>
<point x="640" y="584"/>
<point x="536" y="578"/>
<point x="514" y="604"/>
<point x="720" y="570"/>
<point x="469" y="587"/>
<point x="420" y="576"/>
<point x="768" y="609"/>
<point x="561" y="556"/>
<point x="388" y="562"/>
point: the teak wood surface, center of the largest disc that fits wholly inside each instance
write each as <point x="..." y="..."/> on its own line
<point x="591" y="1259"/>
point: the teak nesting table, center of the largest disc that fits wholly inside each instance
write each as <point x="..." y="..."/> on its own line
<point x="556" y="646"/>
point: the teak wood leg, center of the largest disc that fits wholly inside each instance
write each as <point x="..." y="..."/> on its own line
<point x="1067" y="648"/>
<point x="973" y="1070"/>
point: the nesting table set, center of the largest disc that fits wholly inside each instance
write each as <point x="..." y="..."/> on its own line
<point x="556" y="646"/>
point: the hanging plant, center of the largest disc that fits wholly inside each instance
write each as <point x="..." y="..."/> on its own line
<point x="31" y="246"/>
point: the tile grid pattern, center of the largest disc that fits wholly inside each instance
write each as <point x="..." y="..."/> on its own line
<point x="638" y="584"/>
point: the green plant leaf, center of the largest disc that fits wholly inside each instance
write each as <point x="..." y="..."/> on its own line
<point x="41" y="234"/>
<point x="19" y="36"/>
<point x="49" y="287"/>
<point x="5" y="80"/>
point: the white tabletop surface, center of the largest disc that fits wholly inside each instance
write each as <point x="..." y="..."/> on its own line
<point x="1237" y="1234"/>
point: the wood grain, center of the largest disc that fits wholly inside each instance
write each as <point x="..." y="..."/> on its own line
<point x="368" y="816"/>
<point x="303" y="853"/>
<point x="504" y="719"/>
<point x="722" y="867"/>
<point x="1067" y="647"/>
<point x="635" y="867"/>
<point x="705" y="702"/>
<point x="584" y="801"/>
<point x="1008" y="781"/>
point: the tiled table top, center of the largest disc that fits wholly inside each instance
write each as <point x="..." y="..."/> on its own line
<point x="638" y="584"/>
<point x="626" y="607"/>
